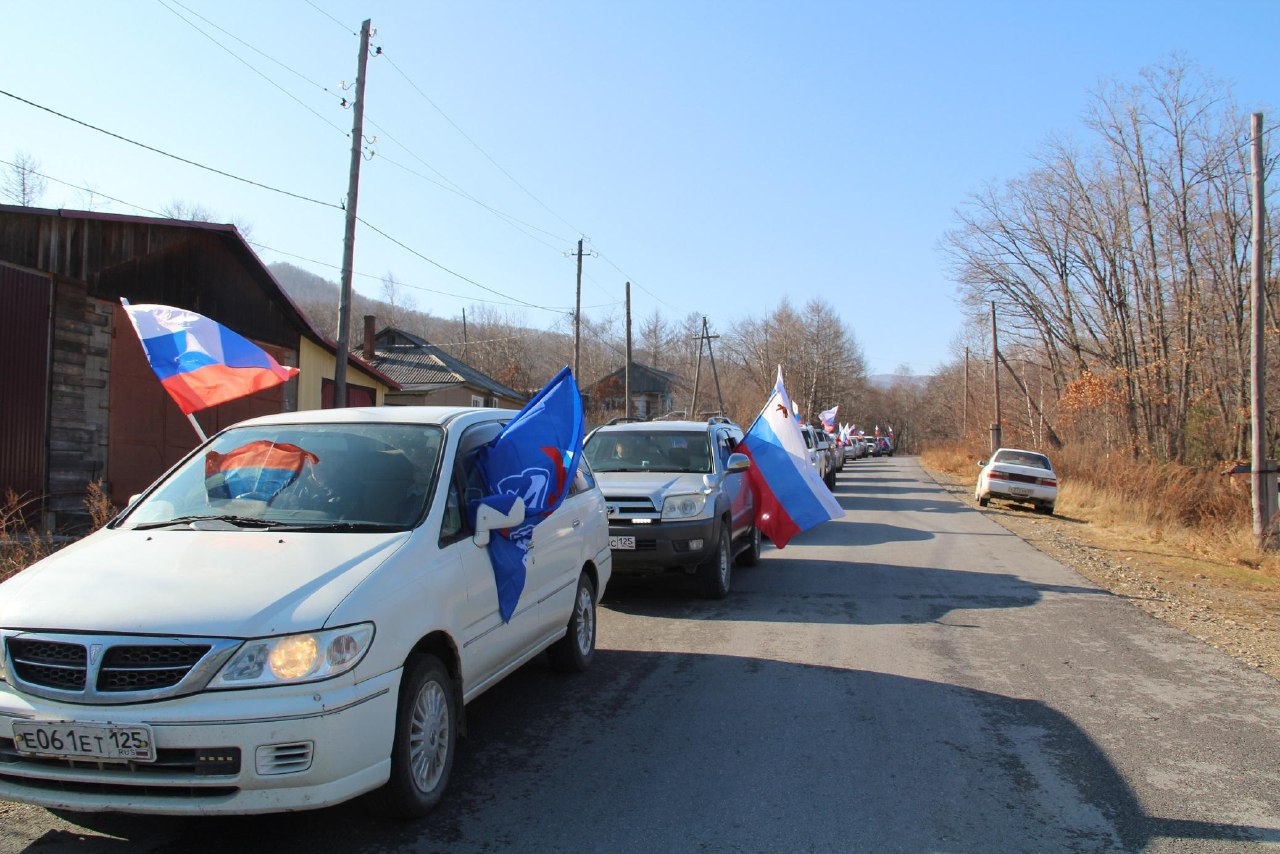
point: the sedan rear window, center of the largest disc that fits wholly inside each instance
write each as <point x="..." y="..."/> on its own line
<point x="1023" y="458"/>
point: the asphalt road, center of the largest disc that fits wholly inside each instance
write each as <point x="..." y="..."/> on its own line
<point x="910" y="678"/>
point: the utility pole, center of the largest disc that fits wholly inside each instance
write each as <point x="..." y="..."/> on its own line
<point x="995" y="375"/>
<point x="577" y="323"/>
<point x="626" y="384"/>
<point x="1263" y="469"/>
<point x="349" y="236"/>
<point x="965" y="428"/>
<point x="466" y="349"/>
<point x="705" y="338"/>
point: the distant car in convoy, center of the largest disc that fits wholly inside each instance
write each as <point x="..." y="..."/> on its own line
<point x="819" y="455"/>
<point x="293" y="615"/>
<point x="1013" y="474"/>
<point x="677" y="497"/>
<point x="838" y="452"/>
<point x="885" y="444"/>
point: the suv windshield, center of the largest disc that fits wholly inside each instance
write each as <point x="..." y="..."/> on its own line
<point x="633" y="450"/>
<point x="317" y="476"/>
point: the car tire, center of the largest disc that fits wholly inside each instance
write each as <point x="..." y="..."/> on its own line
<point x="425" y="740"/>
<point x="751" y="555"/>
<point x="1046" y="509"/>
<point x="984" y="500"/>
<point x="716" y="573"/>
<point x="573" y="652"/>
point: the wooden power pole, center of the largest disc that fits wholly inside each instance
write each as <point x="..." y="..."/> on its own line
<point x="1263" y="469"/>
<point x="995" y="375"/>
<point x="626" y="375"/>
<point x="349" y="236"/>
<point x="577" y="323"/>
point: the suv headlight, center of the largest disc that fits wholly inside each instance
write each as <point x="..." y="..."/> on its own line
<point x="4" y="672"/>
<point x="686" y="506"/>
<point x="290" y="659"/>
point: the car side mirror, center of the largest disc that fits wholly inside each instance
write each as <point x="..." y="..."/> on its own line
<point x="737" y="463"/>
<point x="490" y="518"/>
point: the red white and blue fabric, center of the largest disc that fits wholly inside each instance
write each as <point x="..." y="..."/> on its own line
<point x="257" y="470"/>
<point x="200" y="362"/>
<point x="535" y="457"/>
<point x="790" y="496"/>
<point x="829" y="418"/>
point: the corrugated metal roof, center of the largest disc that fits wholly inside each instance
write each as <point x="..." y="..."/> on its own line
<point x="412" y="361"/>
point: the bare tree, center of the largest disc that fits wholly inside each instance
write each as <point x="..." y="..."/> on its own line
<point x="24" y="185"/>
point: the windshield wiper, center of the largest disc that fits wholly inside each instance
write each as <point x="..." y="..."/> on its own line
<point x="350" y="527"/>
<point x="238" y="521"/>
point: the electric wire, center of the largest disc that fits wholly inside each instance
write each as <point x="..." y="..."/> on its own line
<point x="474" y="144"/>
<point x="252" y="68"/>
<point x="262" y="53"/>
<point x="176" y="157"/>
<point x="345" y="28"/>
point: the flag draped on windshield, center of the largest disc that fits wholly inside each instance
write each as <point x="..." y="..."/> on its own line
<point x="790" y="496"/>
<point x="534" y="458"/>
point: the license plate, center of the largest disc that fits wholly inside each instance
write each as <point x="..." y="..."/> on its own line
<point x="622" y="543"/>
<point x="1019" y="490"/>
<point x="70" y="740"/>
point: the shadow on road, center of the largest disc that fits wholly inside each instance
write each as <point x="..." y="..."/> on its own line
<point x="804" y="590"/>
<point x="654" y="751"/>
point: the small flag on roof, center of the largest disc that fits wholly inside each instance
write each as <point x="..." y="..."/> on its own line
<point x="200" y="362"/>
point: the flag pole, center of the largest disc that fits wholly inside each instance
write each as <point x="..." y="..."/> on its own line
<point x="196" y="424"/>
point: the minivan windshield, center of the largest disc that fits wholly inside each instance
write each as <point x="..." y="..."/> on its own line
<point x="322" y="477"/>
<point x="660" y="450"/>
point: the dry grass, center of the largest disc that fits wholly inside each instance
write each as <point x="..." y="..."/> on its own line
<point x="1198" y="510"/>
<point x="21" y="545"/>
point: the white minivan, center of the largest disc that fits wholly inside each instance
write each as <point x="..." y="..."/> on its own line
<point x="295" y="614"/>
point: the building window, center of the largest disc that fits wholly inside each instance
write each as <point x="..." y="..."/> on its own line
<point x="477" y="400"/>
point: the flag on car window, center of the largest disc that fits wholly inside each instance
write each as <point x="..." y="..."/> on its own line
<point x="257" y="470"/>
<point x="534" y="457"/>
<point x="790" y="496"/>
<point x="200" y="362"/>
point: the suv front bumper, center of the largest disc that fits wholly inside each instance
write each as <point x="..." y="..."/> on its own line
<point x="664" y="545"/>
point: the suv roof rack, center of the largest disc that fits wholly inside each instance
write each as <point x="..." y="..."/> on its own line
<point x="675" y="415"/>
<point x="719" y="419"/>
<point x="623" y="420"/>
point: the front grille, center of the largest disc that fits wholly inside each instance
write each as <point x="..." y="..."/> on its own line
<point x="144" y="668"/>
<point x="49" y="664"/>
<point x="111" y="669"/>
<point x="629" y="506"/>
<point x="644" y="545"/>
<point x="194" y="761"/>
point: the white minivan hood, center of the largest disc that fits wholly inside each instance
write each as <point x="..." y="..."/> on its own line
<point x="205" y="583"/>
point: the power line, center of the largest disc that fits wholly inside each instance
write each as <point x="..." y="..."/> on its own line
<point x="345" y="28"/>
<point x="633" y="281"/>
<point x="475" y="144"/>
<point x="262" y="53"/>
<point x="86" y="190"/>
<point x="164" y="153"/>
<point x="246" y="63"/>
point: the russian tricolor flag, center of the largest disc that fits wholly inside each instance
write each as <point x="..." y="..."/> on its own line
<point x="200" y="362"/>
<point x="790" y="496"/>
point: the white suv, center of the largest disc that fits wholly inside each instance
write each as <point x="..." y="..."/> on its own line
<point x="293" y="615"/>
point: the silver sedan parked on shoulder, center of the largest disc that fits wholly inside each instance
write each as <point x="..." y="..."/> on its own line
<point x="1016" y="475"/>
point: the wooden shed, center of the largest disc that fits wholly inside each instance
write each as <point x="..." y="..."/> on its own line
<point x="80" y="400"/>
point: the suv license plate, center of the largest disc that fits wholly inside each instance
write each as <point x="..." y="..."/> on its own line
<point x="622" y="543"/>
<point x="70" y="740"/>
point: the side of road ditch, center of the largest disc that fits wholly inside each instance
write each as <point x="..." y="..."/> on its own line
<point x="1203" y="598"/>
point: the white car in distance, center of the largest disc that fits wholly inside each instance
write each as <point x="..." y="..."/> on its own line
<point x="295" y="614"/>
<point x="1013" y="474"/>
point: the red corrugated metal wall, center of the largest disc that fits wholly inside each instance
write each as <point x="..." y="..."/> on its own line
<point x="25" y="300"/>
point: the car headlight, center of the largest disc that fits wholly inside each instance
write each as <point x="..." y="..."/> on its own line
<point x="685" y="506"/>
<point x="4" y="672"/>
<point x="289" y="659"/>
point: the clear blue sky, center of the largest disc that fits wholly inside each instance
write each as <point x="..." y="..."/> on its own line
<point x="719" y="154"/>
